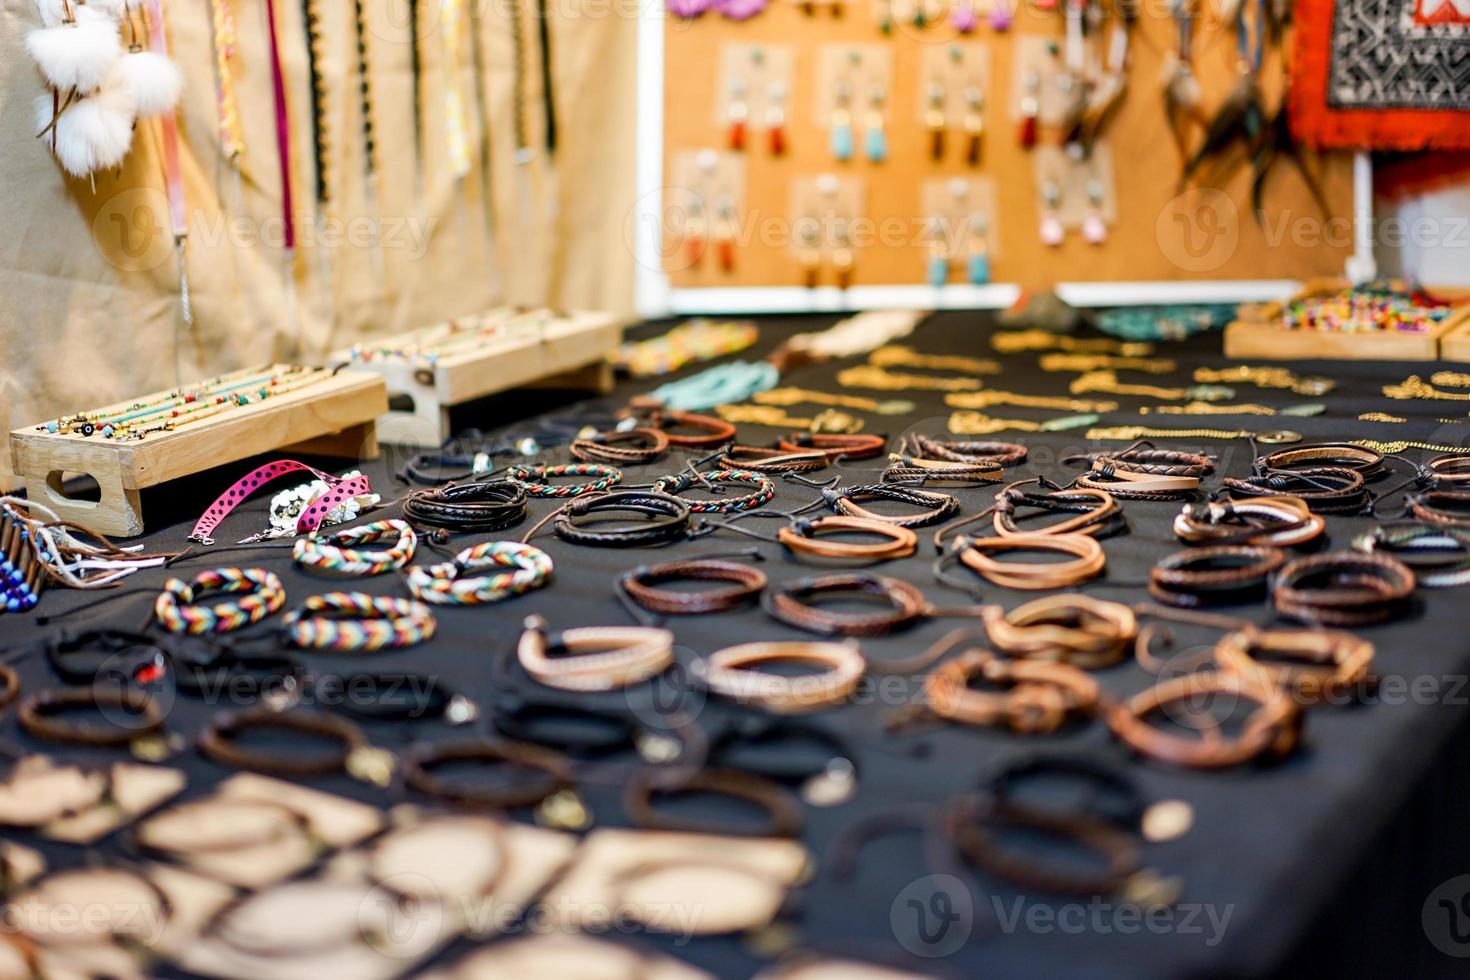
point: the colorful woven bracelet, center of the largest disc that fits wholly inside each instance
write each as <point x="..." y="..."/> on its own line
<point x="177" y="611"/>
<point x="332" y="552"/>
<point x="535" y="477"/>
<point x="446" y="583"/>
<point x="679" y="482"/>
<point x="373" y="623"/>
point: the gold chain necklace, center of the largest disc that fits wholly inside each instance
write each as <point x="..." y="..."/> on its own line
<point x="1414" y="387"/>
<point x="873" y="376"/>
<point x="1107" y="381"/>
<point x="990" y="398"/>
<point x="1021" y="341"/>
<point x="896" y="355"/>
<point x="827" y="421"/>
<point x="1450" y="379"/>
<point x="1266" y="377"/>
<point x="1234" y="408"/>
<point x="1129" y="433"/>
<point x="979" y="424"/>
<point x="795" y="396"/>
<point x="1093" y="362"/>
<point x="1399" y="445"/>
<point x="1380" y="417"/>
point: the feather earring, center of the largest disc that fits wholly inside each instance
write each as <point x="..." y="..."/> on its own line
<point x="1183" y="98"/>
<point x="1277" y="143"/>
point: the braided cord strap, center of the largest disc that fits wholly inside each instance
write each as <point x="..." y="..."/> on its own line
<point x="446" y="584"/>
<point x="177" y="610"/>
<point x="311" y="517"/>
<point x="376" y="623"/>
<point x="762" y="494"/>
<point x="334" y="553"/>
<point x="534" y="478"/>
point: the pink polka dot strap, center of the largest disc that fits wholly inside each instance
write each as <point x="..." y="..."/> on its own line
<point x="311" y="517"/>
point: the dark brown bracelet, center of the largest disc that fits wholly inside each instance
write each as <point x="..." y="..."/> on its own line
<point x="1450" y="469"/>
<point x="849" y="501"/>
<point x="1343" y="588"/>
<point x="220" y="742"/>
<point x="834" y="446"/>
<point x="641" y="585"/>
<point x="1214" y="575"/>
<point x="608" y="447"/>
<point x="715" y="431"/>
<point x="783" y="813"/>
<point x="1154" y="462"/>
<point x="1326" y="490"/>
<point x="969" y="451"/>
<point x="1271" y="731"/>
<point x="759" y="460"/>
<point x="1098" y="512"/>
<point x="9" y="685"/>
<point x="922" y="472"/>
<point x="969" y="826"/>
<point x="1333" y="455"/>
<point x="40" y="714"/>
<point x="1450" y="508"/>
<point x="1134" y="485"/>
<point x="420" y="773"/>
<point x="808" y="538"/>
<point x="791" y="604"/>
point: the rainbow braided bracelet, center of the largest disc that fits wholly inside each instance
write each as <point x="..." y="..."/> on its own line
<point x="177" y="610"/>
<point x="446" y="583"/>
<point x="680" y="482"/>
<point x="334" y="553"/>
<point x="357" y="621"/>
<point x="536" y="477"/>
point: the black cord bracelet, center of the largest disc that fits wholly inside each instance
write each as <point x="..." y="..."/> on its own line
<point x="827" y="783"/>
<point x="667" y="519"/>
<point x="422" y="773"/>
<point x="84" y="657"/>
<point x="488" y="506"/>
<point x="1326" y="489"/>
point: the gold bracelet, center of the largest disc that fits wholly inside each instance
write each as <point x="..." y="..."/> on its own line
<point x="1020" y="341"/>
<point x="1266" y="377"/>
<point x="980" y="424"/>
<point x="873" y="376"/>
<point x="896" y="355"/>
<point x="1380" y="417"/>
<point x="1415" y="387"/>
<point x="1271" y="437"/>
<point x="1450" y="379"/>
<point x="1399" y="445"/>
<point x="796" y="396"/>
<point x="1094" y="362"/>
<point x="1107" y="381"/>
<point x="990" y="398"/>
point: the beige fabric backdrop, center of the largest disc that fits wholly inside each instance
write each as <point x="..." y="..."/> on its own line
<point x="89" y="307"/>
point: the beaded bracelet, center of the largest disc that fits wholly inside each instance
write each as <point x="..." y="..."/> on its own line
<point x="442" y="584"/>
<point x="378" y="623"/>
<point x="680" y="482"/>
<point x="535" y="478"/>
<point x="176" y="610"/>
<point x="332" y="553"/>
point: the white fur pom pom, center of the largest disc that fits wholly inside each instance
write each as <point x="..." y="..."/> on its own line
<point x="76" y="56"/>
<point x="53" y="12"/>
<point x="152" y="79"/>
<point x="116" y="9"/>
<point x="92" y="134"/>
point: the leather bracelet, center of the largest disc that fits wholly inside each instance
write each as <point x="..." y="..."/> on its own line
<point x="678" y="483"/>
<point x="1323" y="663"/>
<point x="992" y="454"/>
<point x="40" y="716"/>
<point x="734" y="673"/>
<point x="1271" y="731"/>
<point x="1343" y="588"/>
<point x="834" y="446"/>
<point x="420" y="773"/>
<point x="595" y="658"/>
<point x="1128" y="485"/>
<point x="667" y="520"/>
<point x="782" y="813"/>
<point x="642" y="586"/>
<point x="1279" y="521"/>
<point x="1326" y="490"/>
<point x="1098" y="512"/>
<point x="807" y="537"/>
<point x="760" y="460"/>
<point x="1449" y="508"/>
<point x="849" y="501"/>
<point x="1450" y="469"/>
<point x="610" y="448"/>
<point x="536" y="478"/>
<point x="1039" y="697"/>
<point x="9" y="685"/>
<point x="830" y="782"/>
<point x="575" y="731"/>
<point x="1088" y="562"/>
<point x="790" y="603"/>
<point x="433" y="469"/>
<point x="341" y="552"/>
<point x="1152" y="462"/>
<point x="916" y="470"/>
<point x="1214" y="575"/>
<point x="1110" y="795"/>
<point x="467" y="507"/>
<point x="1367" y="463"/>
<point x="1076" y="630"/>
<point x="1438" y="555"/>
<point x="85" y="657"/>
<point x="220" y="743"/>
<point x="715" y="432"/>
<point x="969" y="826"/>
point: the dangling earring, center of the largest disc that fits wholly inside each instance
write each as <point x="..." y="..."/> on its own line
<point x="936" y="265"/>
<point x="1030" y="108"/>
<point x="725" y="235"/>
<point x="977" y="265"/>
<point x="1052" y="232"/>
<point x="694" y="233"/>
<point x="963" y="18"/>
<point x="974" y="124"/>
<point x="934" y="120"/>
<point x="776" y="117"/>
<point x="1000" y="15"/>
<point x="842" y="255"/>
<point x="808" y="251"/>
<point x="842" y="141"/>
<point x="738" y="112"/>
<point x="875" y="140"/>
<point x="1094" y="229"/>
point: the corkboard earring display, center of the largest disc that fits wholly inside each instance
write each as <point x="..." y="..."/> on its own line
<point x="1054" y="125"/>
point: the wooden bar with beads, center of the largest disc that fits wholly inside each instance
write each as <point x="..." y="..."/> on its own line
<point x="431" y="369"/>
<point x="305" y="410"/>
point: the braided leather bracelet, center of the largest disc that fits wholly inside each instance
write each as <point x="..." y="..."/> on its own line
<point x="1040" y="696"/>
<point x="594" y="658"/>
<point x="982" y="453"/>
<point x="668" y="519"/>
<point x="1450" y="469"/>
<point x="177" y="610"/>
<point x="478" y="507"/>
<point x="1438" y="555"/>
<point x="834" y="446"/>
<point x="608" y="447"/>
<point x="1343" y="588"/>
<point x="420" y="773"/>
<point x="1280" y="521"/>
<point x="1367" y="463"/>
<point x="536" y="478"/>
<point x="1271" y="731"/>
<point x="1214" y="575"/>
<point x="1152" y="462"/>
<point x="970" y="826"/>
<point x="790" y="604"/>
<point x="340" y="554"/>
<point x="1088" y="562"/>
<point x="1128" y="485"/>
<point x="849" y="501"/>
<point x="1449" y="508"/>
<point x="40" y="716"/>
<point x="734" y="673"/>
<point x="1077" y="630"/>
<point x="220" y="742"/>
<point x="782" y="812"/>
<point x="715" y="431"/>
<point x="680" y="482"/>
<point x="521" y="568"/>
<point x="1326" y="490"/>
<point x="1326" y="663"/>
<point x="375" y="623"/>
<point x="910" y="469"/>
<point x="760" y="460"/>
<point x="641" y="585"/>
<point x="1098" y="513"/>
<point x="807" y="538"/>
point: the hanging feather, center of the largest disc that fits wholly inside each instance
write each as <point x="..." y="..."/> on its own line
<point x="1103" y="105"/>
<point x="1183" y="109"/>
<point x="92" y="133"/>
<point x="1230" y="11"/>
<point x="1276" y="144"/>
<point x="1240" y="116"/>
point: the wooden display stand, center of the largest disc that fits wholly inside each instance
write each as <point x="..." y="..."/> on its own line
<point x="569" y="350"/>
<point x="1260" y="337"/>
<point x="332" y="417"/>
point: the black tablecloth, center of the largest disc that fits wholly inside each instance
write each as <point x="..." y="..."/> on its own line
<point x="1325" y="860"/>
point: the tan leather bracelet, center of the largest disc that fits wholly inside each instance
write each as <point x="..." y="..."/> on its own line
<point x="1272" y="730"/>
<point x="1136" y="486"/>
<point x="772" y="461"/>
<point x="598" y="658"/>
<point x="807" y="538"/>
<point x="1326" y="663"/>
<point x="732" y="673"/>
<point x="715" y="431"/>
<point x="904" y="468"/>
<point x="607" y="447"/>
<point x="1450" y="469"/>
<point x="845" y="501"/>
<point x="1076" y="630"/>
<point x="1338" y="455"/>
<point x="1097" y="520"/>
<point x="1088" y="554"/>
<point x="1040" y="698"/>
<point x="1281" y="521"/>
